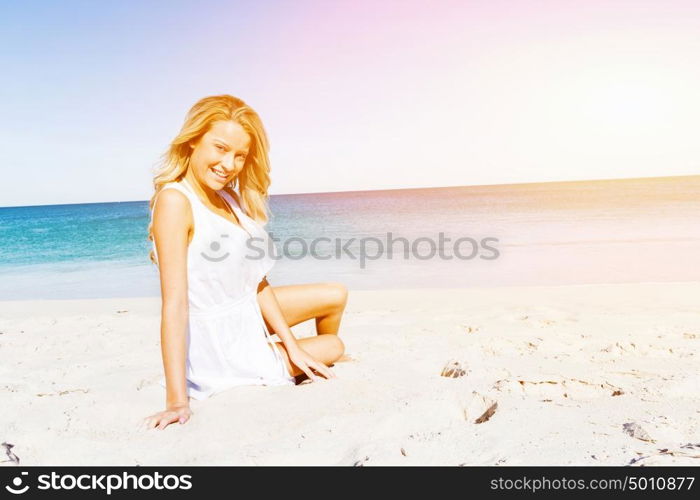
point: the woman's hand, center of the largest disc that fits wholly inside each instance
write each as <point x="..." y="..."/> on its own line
<point x="306" y="363"/>
<point x="174" y="413"/>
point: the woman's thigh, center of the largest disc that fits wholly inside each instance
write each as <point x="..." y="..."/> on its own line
<point x="301" y="303"/>
<point x="326" y="349"/>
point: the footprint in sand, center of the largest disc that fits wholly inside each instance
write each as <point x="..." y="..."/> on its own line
<point x="620" y="349"/>
<point x="10" y="454"/>
<point x="453" y="369"/>
<point x="549" y="390"/>
<point x="479" y="408"/>
<point x="678" y="455"/>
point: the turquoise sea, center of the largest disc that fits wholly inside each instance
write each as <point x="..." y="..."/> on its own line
<point x="540" y="234"/>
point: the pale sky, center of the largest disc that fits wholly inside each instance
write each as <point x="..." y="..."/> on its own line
<point x="355" y="95"/>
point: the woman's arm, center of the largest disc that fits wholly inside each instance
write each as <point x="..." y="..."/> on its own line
<point x="272" y="312"/>
<point x="172" y="220"/>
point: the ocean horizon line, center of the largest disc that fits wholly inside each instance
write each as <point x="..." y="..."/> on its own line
<point x="383" y="190"/>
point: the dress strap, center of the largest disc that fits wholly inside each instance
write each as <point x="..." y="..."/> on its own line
<point x="186" y="186"/>
<point x="230" y="199"/>
<point x="235" y="209"/>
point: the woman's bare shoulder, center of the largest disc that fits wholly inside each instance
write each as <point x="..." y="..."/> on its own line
<point x="172" y="205"/>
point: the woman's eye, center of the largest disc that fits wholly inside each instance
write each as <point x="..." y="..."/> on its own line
<point x="219" y="147"/>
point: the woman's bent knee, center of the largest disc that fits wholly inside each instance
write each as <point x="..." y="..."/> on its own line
<point x="339" y="294"/>
<point x="338" y="347"/>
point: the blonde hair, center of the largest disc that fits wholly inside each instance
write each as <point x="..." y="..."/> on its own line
<point x="254" y="179"/>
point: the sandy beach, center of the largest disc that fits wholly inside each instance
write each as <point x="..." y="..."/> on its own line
<point x="557" y="375"/>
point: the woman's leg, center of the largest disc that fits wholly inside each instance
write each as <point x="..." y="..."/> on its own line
<point x="324" y="348"/>
<point x="323" y="301"/>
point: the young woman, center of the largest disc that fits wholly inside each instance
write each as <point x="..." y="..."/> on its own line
<point x="217" y="307"/>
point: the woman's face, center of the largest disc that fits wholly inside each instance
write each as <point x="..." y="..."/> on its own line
<point x="220" y="154"/>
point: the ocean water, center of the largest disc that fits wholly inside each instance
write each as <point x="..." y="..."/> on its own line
<point x="634" y="230"/>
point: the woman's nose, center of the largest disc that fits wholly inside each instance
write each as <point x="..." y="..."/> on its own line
<point x="227" y="162"/>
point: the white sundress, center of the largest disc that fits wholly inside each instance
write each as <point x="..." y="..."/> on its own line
<point x="227" y="337"/>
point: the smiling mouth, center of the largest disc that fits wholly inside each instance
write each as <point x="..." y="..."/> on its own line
<point x="220" y="173"/>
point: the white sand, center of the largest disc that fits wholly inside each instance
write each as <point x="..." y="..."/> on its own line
<point x="77" y="377"/>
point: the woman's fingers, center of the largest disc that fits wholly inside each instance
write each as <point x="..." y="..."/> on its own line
<point x="311" y="367"/>
<point x="162" y="419"/>
<point x="306" y="368"/>
<point x="169" y="418"/>
<point x="152" y="421"/>
<point x="309" y="372"/>
<point x="323" y="370"/>
<point x="185" y="416"/>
